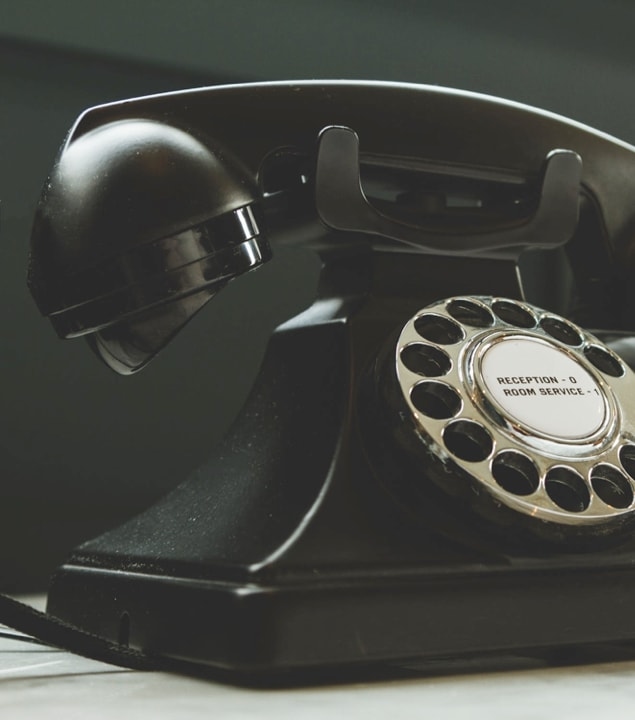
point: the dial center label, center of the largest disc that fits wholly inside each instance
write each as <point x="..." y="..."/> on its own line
<point x="543" y="388"/>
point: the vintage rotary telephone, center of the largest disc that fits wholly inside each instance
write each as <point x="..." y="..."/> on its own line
<point x="428" y="465"/>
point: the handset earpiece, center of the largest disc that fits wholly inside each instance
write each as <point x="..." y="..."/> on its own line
<point x="139" y="225"/>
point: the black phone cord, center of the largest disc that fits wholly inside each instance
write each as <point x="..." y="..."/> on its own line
<point x="49" y="630"/>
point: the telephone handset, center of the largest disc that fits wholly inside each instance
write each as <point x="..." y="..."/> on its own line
<point x="424" y="445"/>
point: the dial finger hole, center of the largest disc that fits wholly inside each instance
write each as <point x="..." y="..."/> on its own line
<point x="604" y="360"/>
<point x="468" y="440"/>
<point x="425" y="360"/>
<point x="515" y="473"/>
<point x="514" y="314"/>
<point x="470" y="313"/>
<point x="611" y="486"/>
<point x="627" y="459"/>
<point x="436" y="400"/>
<point x="567" y="489"/>
<point x="561" y="330"/>
<point x="438" y="329"/>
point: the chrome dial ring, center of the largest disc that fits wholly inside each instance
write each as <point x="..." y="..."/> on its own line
<point x="535" y="411"/>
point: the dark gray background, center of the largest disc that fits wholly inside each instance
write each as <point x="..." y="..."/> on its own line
<point x="81" y="448"/>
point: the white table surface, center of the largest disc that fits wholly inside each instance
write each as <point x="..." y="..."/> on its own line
<point x="43" y="684"/>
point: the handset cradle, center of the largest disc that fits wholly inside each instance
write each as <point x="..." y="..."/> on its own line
<point x="342" y="205"/>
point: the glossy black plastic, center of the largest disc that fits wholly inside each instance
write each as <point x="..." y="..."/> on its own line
<point x="296" y="547"/>
<point x="138" y="212"/>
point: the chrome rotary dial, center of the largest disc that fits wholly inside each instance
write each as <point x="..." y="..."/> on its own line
<point x="536" y="412"/>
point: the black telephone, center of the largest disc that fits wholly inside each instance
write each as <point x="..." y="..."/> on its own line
<point x="429" y="464"/>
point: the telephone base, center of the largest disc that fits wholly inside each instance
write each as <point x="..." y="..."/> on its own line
<point x="290" y="552"/>
<point x="308" y="624"/>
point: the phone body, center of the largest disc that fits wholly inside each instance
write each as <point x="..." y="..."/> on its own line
<point x="332" y="528"/>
